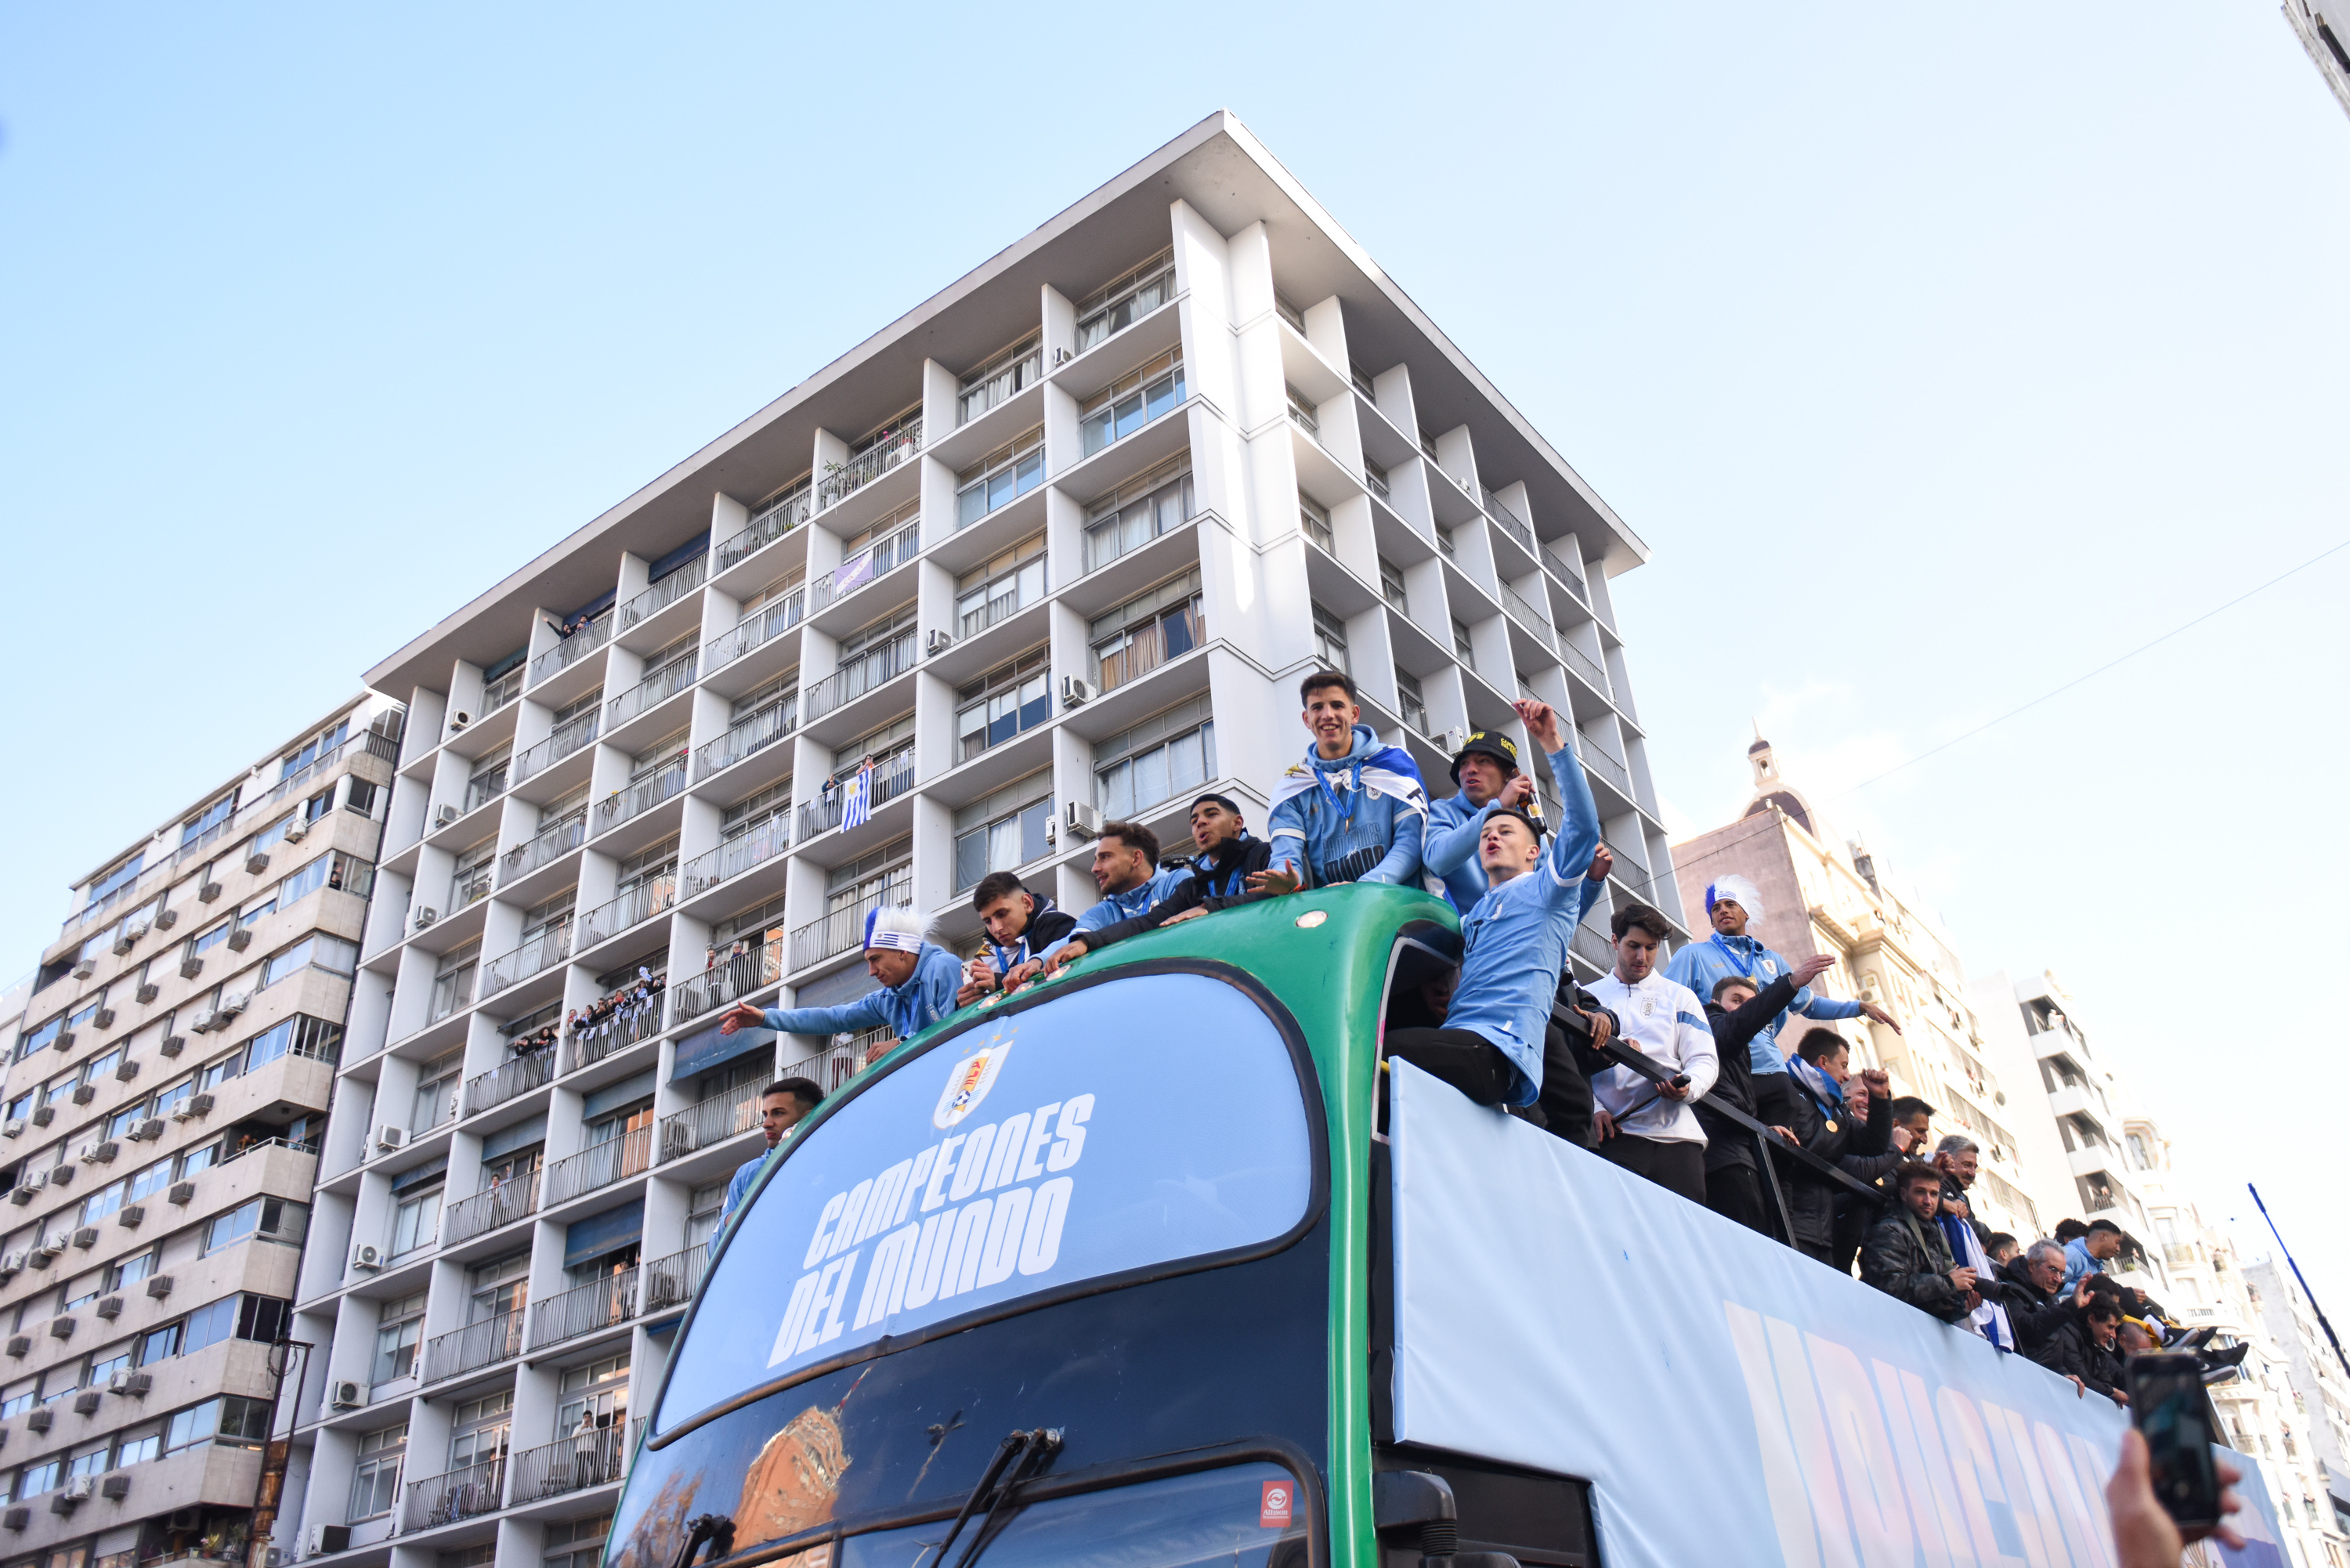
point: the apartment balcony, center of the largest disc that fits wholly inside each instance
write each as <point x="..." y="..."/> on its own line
<point x="1606" y="765"/>
<point x="1568" y="578"/>
<point x="734" y="856"/>
<point x="518" y="1076"/>
<point x="867" y="565"/>
<point x="460" y="1494"/>
<point x="367" y="743"/>
<point x="864" y="673"/>
<point x="843" y="931"/>
<point x="1146" y="648"/>
<point x="1526" y="615"/>
<point x="633" y="907"/>
<point x="573" y="649"/>
<point x="2093" y="1160"/>
<point x="470" y="885"/>
<point x="549" y="844"/>
<point x="1592" y="948"/>
<point x="1001" y="384"/>
<point x="567" y="738"/>
<point x="549" y="948"/>
<point x="885" y="454"/>
<point x="486" y="1211"/>
<point x="608" y="1303"/>
<point x="477" y="1344"/>
<point x="712" y="1121"/>
<point x="2076" y="1099"/>
<point x="1508" y="520"/>
<point x="616" y="1033"/>
<point x="762" y="730"/>
<point x="642" y="795"/>
<point x="665" y="593"/>
<point x="771" y="523"/>
<point x="769" y="621"/>
<point x="725" y="983"/>
<point x="1584" y="665"/>
<point x="496" y="694"/>
<point x="570" y="1464"/>
<point x="599" y="1165"/>
<point x="654" y="690"/>
<point x="893" y="776"/>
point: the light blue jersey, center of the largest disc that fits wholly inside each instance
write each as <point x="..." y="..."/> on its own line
<point x="1126" y="906"/>
<point x="1703" y="965"/>
<point x="1356" y="818"/>
<point x="907" y="1008"/>
<point x="1449" y="853"/>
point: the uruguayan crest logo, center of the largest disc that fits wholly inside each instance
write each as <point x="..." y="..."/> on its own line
<point x="969" y="1080"/>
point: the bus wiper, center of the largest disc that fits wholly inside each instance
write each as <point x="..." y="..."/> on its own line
<point x="1032" y="1450"/>
<point x="716" y="1529"/>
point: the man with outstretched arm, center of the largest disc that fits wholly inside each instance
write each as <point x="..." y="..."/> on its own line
<point x="1126" y="873"/>
<point x="1230" y="868"/>
<point x="1353" y="810"/>
<point x="1513" y="942"/>
<point x="1733" y="1182"/>
<point x="1486" y="777"/>
<point x="1648" y="1128"/>
<point x="1021" y="928"/>
<point x="918" y="983"/>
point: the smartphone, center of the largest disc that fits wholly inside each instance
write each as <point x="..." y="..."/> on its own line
<point x="2171" y="1409"/>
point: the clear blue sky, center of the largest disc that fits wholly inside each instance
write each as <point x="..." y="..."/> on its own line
<point x="1940" y="356"/>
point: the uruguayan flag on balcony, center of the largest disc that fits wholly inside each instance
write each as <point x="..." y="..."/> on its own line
<point x="857" y="807"/>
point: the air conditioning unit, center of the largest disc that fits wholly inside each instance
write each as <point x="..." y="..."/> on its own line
<point x="1061" y="355"/>
<point x="44" y="1115"/>
<point x="1453" y="740"/>
<point x="233" y="1003"/>
<point x="182" y="1192"/>
<point x="138" y="928"/>
<point x="61" y="1176"/>
<point x="134" y="1383"/>
<point x="148" y="992"/>
<point x="174" y="1044"/>
<point x="367" y="1256"/>
<point x="295" y="828"/>
<point x="938" y="642"/>
<point x="324" y="1540"/>
<point x="86" y="1238"/>
<point x="209" y="891"/>
<point x="1081" y="819"/>
<point x="122" y="941"/>
<point x="103" y="1151"/>
<point x="81" y="1489"/>
<point x="87" y="1402"/>
<point x="41" y="1420"/>
<point x="458" y="720"/>
<point x="15" y="1518"/>
<point x="180" y="1112"/>
<point x="51" y="1247"/>
<point x="199" y="1105"/>
<point x="20" y="1195"/>
<point x="158" y="1285"/>
<point x="20" y="1345"/>
<point x="83" y="1092"/>
<point x="445" y="816"/>
<point x="206" y="1020"/>
<point x="240" y="938"/>
<point x="1075" y="692"/>
<point x="257" y="861"/>
<point x="115" y="1486"/>
<point x="425" y="915"/>
<point x="13" y="1127"/>
<point x="348" y="1396"/>
<point x="111" y="1307"/>
<point x="12" y="1262"/>
<point x="85" y="969"/>
<point x="389" y="1138"/>
<point x="33" y="1181"/>
<point x="146" y="1131"/>
<point x="190" y="967"/>
<point x="166" y="919"/>
<point x="104" y="1018"/>
<point x="125" y="1071"/>
<point x="61" y="1327"/>
<point x="130" y="1215"/>
<point x="63" y="1042"/>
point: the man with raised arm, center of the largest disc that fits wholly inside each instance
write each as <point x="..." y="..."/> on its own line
<point x="1486" y="775"/>
<point x="1733" y="1182"/>
<point x="918" y="983"/>
<point x="1353" y="811"/>
<point x="1514" y="940"/>
<point x="1731" y="902"/>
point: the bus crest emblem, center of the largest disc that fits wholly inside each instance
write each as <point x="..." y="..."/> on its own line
<point x="968" y="1081"/>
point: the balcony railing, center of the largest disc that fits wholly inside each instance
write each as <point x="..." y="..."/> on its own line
<point x="769" y="524"/>
<point x="736" y="856"/>
<point x="638" y="904"/>
<point x="665" y="593"/>
<point x="599" y="1165"/>
<point x="862" y="674"/>
<point x="714" y="1120"/>
<point x="1533" y="619"/>
<point x="841" y="930"/>
<point x="642" y="795"/>
<point x="484" y="788"/>
<point x="475" y="1345"/>
<point x="516" y="1075"/>
<point x="771" y="620"/>
<point x="486" y="1211"/>
<point x="570" y="1464"/>
<point x="550" y="843"/>
<point x="1592" y="948"/>
<point x="1606" y="766"/>
<point x="1508" y="520"/>
<point x="874" y="561"/>
<point x="573" y="649"/>
<point x="610" y="1302"/>
<point x="567" y="738"/>
<point x="550" y="946"/>
<point x="1583" y="664"/>
<point x="655" y="689"/>
<point x="888" y="452"/>
<point x="723" y="984"/>
<point x="893" y="776"/>
<point x="496" y="694"/>
<point x="1001" y="384"/>
<point x="616" y="1032"/>
<point x="758" y="732"/>
<point x="671" y="1282"/>
<point x="460" y="1494"/>
<point x="1571" y="580"/>
<point x="384" y="747"/>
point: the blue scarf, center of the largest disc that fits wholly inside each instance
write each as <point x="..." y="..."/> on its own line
<point x="1815" y="1083"/>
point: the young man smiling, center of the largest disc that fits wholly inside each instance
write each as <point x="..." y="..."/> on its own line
<point x="1353" y="811"/>
<point x="1126" y="873"/>
<point x="1230" y="868"/>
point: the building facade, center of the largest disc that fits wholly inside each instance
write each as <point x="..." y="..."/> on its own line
<point x="2324" y="28"/>
<point x="2311" y="1368"/>
<point x="165" y="1093"/>
<point x="1054" y="548"/>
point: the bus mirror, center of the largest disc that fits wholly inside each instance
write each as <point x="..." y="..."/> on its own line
<point x="1409" y="1497"/>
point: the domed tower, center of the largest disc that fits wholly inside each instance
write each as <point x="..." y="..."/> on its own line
<point x="1771" y="790"/>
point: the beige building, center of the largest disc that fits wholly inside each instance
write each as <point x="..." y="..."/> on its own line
<point x="165" y="1095"/>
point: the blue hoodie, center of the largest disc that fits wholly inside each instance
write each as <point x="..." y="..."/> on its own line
<point x="1703" y="965"/>
<point x="1356" y="818"/>
<point x="1135" y="900"/>
<point x="908" y="1009"/>
<point x="1449" y="853"/>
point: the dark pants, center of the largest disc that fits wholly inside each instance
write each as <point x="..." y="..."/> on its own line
<point x="1814" y="1251"/>
<point x="1462" y="1058"/>
<point x="1735" y="1192"/>
<point x="1853" y="1219"/>
<point x="1565" y="1103"/>
<point x="1675" y="1166"/>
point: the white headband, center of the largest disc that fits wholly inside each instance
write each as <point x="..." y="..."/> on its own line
<point x="1737" y="890"/>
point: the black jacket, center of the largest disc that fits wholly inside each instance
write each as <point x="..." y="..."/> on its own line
<point x="1217" y="882"/>
<point x="2033" y="1313"/>
<point x="2069" y="1352"/>
<point x="1911" y="1262"/>
<point x="1863" y="1150"/>
<point x="1047" y="924"/>
<point x="1726" y="1143"/>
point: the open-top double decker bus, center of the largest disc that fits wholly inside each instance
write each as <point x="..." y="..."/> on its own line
<point x="1154" y="1264"/>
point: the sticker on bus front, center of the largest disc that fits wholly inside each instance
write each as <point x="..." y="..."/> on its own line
<point x="1272" y="1511"/>
<point x="970" y="1079"/>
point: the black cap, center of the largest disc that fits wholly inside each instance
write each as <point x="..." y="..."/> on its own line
<point x="1500" y="747"/>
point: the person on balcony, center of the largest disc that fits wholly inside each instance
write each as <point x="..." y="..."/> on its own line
<point x="1126" y="873"/>
<point x="1230" y="868"/>
<point x="782" y="1105"/>
<point x="1353" y="810"/>
<point x="1022" y="927"/>
<point x="1485" y="778"/>
<point x="1731" y="902"/>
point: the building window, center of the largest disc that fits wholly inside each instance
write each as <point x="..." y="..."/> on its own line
<point x="207" y="823"/>
<point x="1147" y="631"/>
<point x="1010" y="582"/>
<point x="375" y="1483"/>
<point x="1460" y="648"/>
<point x="1330" y="641"/>
<point x="1002" y="379"/>
<point x="1126" y="300"/>
<point x="231" y="1421"/>
<point x="318" y="950"/>
<point x="478" y="1434"/>
<point x="703" y="1207"/>
<point x="593" y="1396"/>
<point x="138" y="1445"/>
<point x="1005" y="831"/>
<point x="1315" y="521"/>
<point x="1159" y="759"/>
<point x="1391" y="586"/>
<point x="1132" y="402"/>
<point x="1414" y="706"/>
<point x="1139" y="512"/>
<point x="416" y="1222"/>
<point x="1007" y="700"/>
<point x="399" y="1330"/>
<point x="1010" y="471"/>
<point x="272" y="1218"/>
<point x="453" y="986"/>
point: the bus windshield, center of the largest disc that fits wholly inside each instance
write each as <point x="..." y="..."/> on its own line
<point x="1116" y="1129"/>
<point x="1242" y="1516"/>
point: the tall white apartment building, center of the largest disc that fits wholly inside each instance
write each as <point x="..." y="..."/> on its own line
<point x="2313" y="1371"/>
<point x="164" y="1093"/>
<point x="1053" y="548"/>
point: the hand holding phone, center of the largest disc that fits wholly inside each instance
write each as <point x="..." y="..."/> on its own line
<point x="2170" y="1410"/>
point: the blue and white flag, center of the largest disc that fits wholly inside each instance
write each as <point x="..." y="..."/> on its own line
<point x="856" y="809"/>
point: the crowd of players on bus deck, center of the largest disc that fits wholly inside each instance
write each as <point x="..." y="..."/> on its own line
<point x="1510" y="1027"/>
